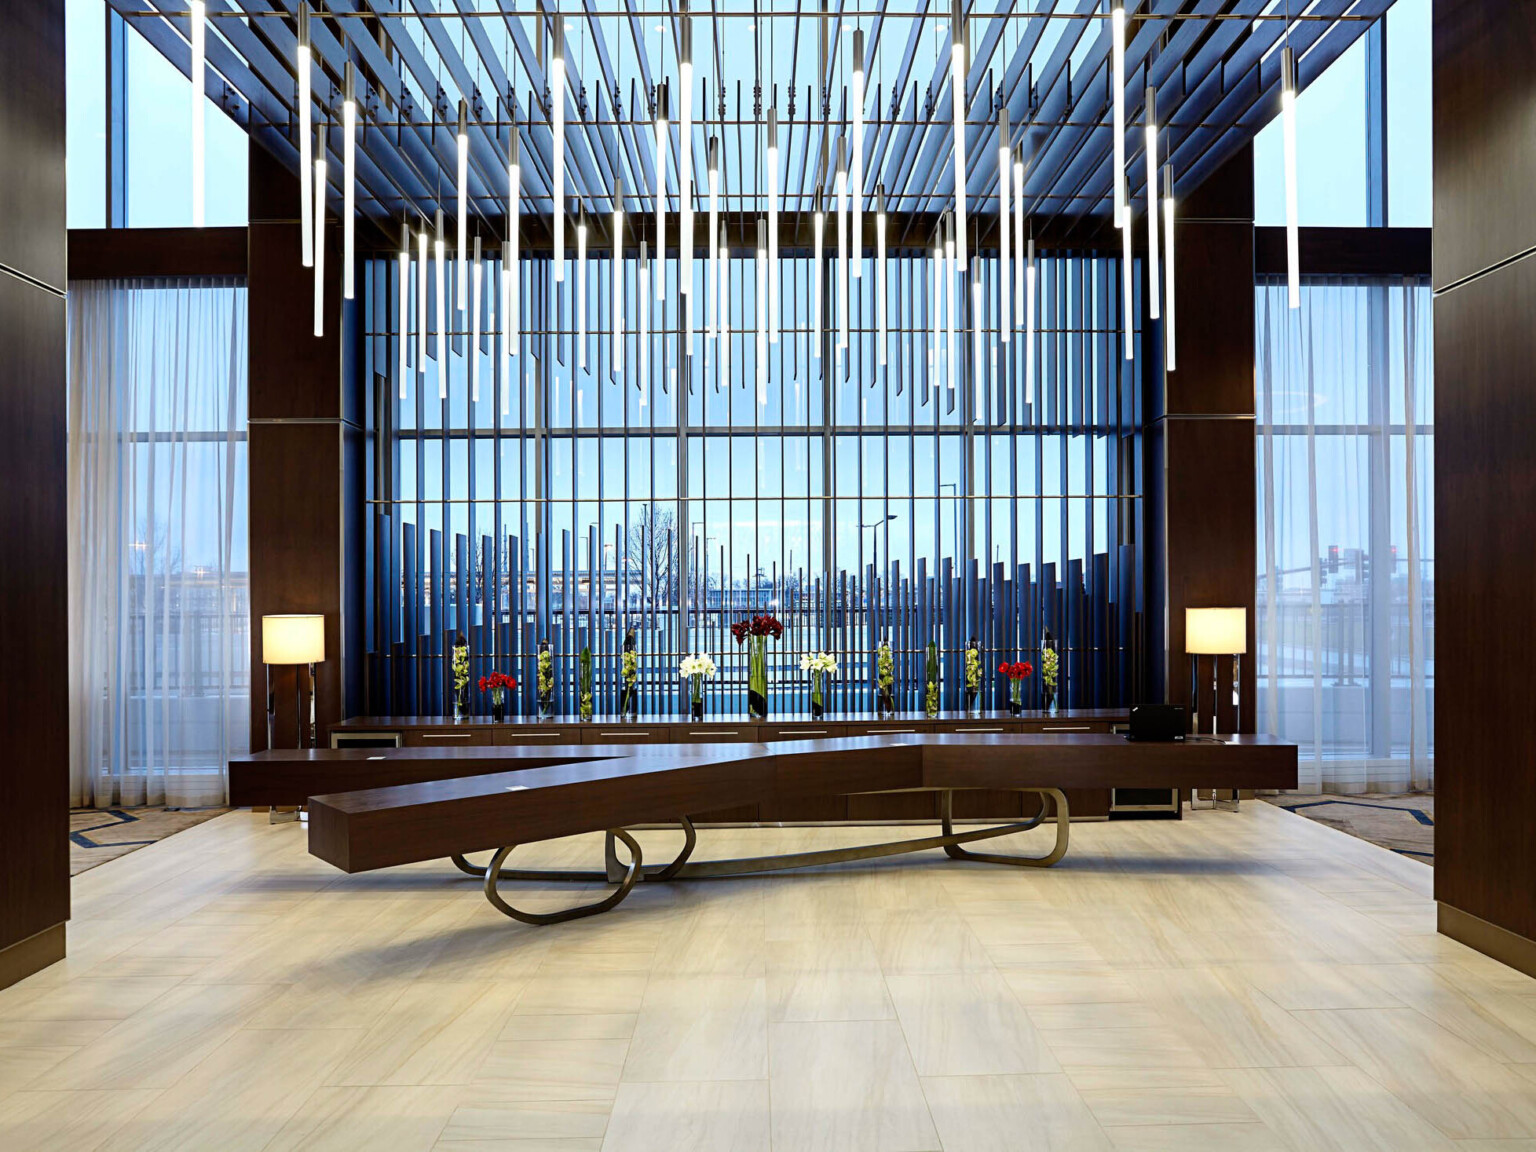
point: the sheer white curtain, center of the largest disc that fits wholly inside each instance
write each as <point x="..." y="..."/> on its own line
<point x="159" y="620"/>
<point x="1346" y="531"/>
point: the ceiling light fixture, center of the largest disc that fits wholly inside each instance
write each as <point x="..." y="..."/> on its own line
<point x="935" y="345"/>
<point x="1003" y="209"/>
<point x="685" y="172"/>
<point x="725" y="308"/>
<point x="644" y="310"/>
<point x="306" y="153"/>
<point x="762" y="313"/>
<point x="440" y="251"/>
<point x="508" y="347"/>
<point x="403" y="336"/>
<point x="712" y="158"/>
<point x="462" y="141"/>
<point x="616" y="275"/>
<point x="957" y="85"/>
<point x="474" y="327"/>
<point x="348" y="179"/>
<point x="421" y="301"/>
<point x="773" y="224"/>
<point x="511" y="314"/>
<point x="660" y="188"/>
<point x="581" y="288"/>
<point x="978" y="383"/>
<point x="319" y="218"/>
<point x="818" y="239"/>
<point x="1117" y="86"/>
<point x="1018" y="236"/>
<point x="1169" y="359"/>
<point x="557" y="126"/>
<point x="1154" y="294"/>
<point x="1130" y="290"/>
<point x="1288" y="130"/>
<point x="199" y="11"/>
<point x="1029" y="323"/>
<point x="856" y="169"/>
<point x="841" y="188"/>
<point x="952" y="276"/>
<point x="881" y="335"/>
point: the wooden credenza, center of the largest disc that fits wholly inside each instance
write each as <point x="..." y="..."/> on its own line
<point x="521" y="731"/>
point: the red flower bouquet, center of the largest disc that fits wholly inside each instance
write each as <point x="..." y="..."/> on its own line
<point x="767" y="627"/>
<point x="1016" y="673"/>
<point x="497" y="684"/>
<point x="759" y="630"/>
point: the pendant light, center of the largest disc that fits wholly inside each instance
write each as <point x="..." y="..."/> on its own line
<point x="348" y="180"/>
<point x="856" y="169"/>
<point x="712" y="158"/>
<point x="511" y="316"/>
<point x="818" y="238"/>
<point x="773" y="224"/>
<point x="660" y="189"/>
<point x="508" y="348"/>
<point x="1003" y="209"/>
<point x="616" y="275"/>
<point x="978" y="381"/>
<point x="643" y="298"/>
<point x="1130" y="291"/>
<point x="841" y="188"/>
<point x="421" y="301"/>
<point x="1169" y="359"/>
<point x="725" y="308"/>
<point x="557" y="112"/>
<point x="403" y="339"/>
<point x="1018" y="235"/>
<point x="474" y="327"/>
<point x="461" y="138"/>
<point x="1029" y="324"/>
<point x="952" y="278"/>
<point x="957" y="98"/>
<point x="319" y="218"/>
<point x="1154" y="292"/>
<point x="440" y="252"/>
<point x="935" y="345"/>
<point x="306" y="153"/>
<point x="199" y="11"/>
<point x="762" y="313"/>
<point x="881" y="335"/>
<point x="581" y="287"/>
<point x="1117" y="93"/>
<point x="1288" y="129"/>
<point x="685" y="171"/>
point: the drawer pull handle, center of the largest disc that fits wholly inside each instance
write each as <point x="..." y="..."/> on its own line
<point x="1066" y="728"/>
<point x="802" y="732"/>
<point x="731" y="732"/>
<point x="630" y="732"/>
<point x="978" y="729"/>
<point x="445" y="735"/>
<point x="892" y="732"/>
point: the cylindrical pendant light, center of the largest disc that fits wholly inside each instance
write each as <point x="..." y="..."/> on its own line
<point x="841" y="189"/>
<point x="557" y="126"/>
<point x="1126" y="266"/>
<point x="513" y="312"/>
<point x="1018" y="233"/>
<point x="1003" y="210"/>
<point x="199" y="11"/>
<point x="725" y="308"/>
<point x="421" y="301"/>
<point x="306" y="153"/>
<point x="1154" y="292"/>
<point x="1117" y="86"/>
<point x="1169" y="340"/>
<point x="712" y="157"/>
<point x="508" y="350"/>
<point x="403" y="288"/>
<point x="957" y="85"/>
<point x="1292" y="211"/>
<point x="935" y="346"/>
<point x="1029" y="323"/>
<point x="880" y="285"/>
<point x="616" y="276"/>
<point x="773" y="225"/>
<point x="319" y="218"/>
<point x="440" y="252"/>
<point x="856" y="168"/>
<point x="952" y="278"/>
<point x="818" y="240"/>
<point x="762" y="313"/>
<point x="461" y="139"/>
<point x="348" y="180"/>
<point x="685" y="171"/>
<point x="660" y="189"/>
<point x="581" y="287"/>
<point x="978" y="371"/>
<point x="474" y="326"/>
<point x="642" y="318"/>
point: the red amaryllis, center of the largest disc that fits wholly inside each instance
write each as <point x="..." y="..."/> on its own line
<point x="757" y="626"/>
<point x="1016" y="671"/>
<point x="497" y="680"/>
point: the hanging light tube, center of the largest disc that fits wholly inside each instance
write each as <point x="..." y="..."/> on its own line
<point x="421" y="301"/>
<point x="935" y="345"/>
<point x="660" y="189"/>
<point x="762" y="313"/>
<point x="725" y="308"/>
<point x="712" y="158"/>
<point x="348" y="180"/>
<point x="1018" y="235"/>
<point x="403" y="331"/>
<point x="199" y="10"/>
<point x="319" y="218"/>
<point x="1003" y="209"/>
<point x="557" y="112"/>
<point x="1288" y="129"/>
<point x="1117" y="85"/>
<point x="306" y="153"/>
<point x="1154" y="292"/>
<point x="462" y="140"/>
<point x="773" y="224"/>
<point x="856" y="169"/>
<point x="1029" y="324"/>
<point x="841" y="189"/>
<point x="440" y="252"/>
<point x="581" y="288"/>
<point x="512" y="313"/>
<point x="978" y="381"/>
<point x="1169" y="359"/>
<point x="881" y="336"/>
<point x="643" y="298"/>
<point x="1130" y="290"/>
<point x="685" y="170"/>
<point x="818" y="237"/>
<point x="957" y="99"/>
<point x="616" y="276"/>
<point x="474" y="327"/>
<point x="507" y="348"/>
<point x="952" y="277"/>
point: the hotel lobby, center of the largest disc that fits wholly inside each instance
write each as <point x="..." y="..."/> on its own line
<point x="641" y="577"/>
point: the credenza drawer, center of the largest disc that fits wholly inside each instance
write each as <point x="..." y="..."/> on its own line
<point x="527" y="734"/>
<point x="811" y="730"/>
<point x="449" y="738"/>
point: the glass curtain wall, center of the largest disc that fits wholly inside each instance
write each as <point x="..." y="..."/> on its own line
<point x="932" y="497"/>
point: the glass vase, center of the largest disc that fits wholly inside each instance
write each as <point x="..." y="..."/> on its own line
<point x="460" y="706"/>
<point x="696" y="704"/>
<point x="757" y="678"/>
<point x="818" y="708"/>
<point x="1015" y="697"/>
<point x="498" y="707"/>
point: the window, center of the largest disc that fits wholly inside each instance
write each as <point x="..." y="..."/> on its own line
<point x="85" y="98"/>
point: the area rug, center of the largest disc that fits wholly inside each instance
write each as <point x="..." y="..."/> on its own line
<point x="1404" y="823"/>
<point x="97" y="835"/>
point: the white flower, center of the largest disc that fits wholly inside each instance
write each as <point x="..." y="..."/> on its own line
<point x="819" y="662"/>
<point x="697" y="666"/>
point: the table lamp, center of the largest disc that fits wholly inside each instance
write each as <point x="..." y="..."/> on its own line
<point x="1215" y="632"/>
<point x="292" y="639"/>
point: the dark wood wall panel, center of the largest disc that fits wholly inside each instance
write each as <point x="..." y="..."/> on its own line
<point x="113" y="253"/>
<point x="34" y="616"/>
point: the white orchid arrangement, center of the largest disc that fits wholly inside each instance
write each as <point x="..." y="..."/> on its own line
<point x="697" y="666"/>
<point x="819" y="662"/>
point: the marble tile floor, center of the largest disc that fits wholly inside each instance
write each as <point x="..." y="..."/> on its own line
<point x="1241" y="982"/>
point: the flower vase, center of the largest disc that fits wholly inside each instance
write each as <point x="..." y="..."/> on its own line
<point x="818" y="708"/>
<point x="1050" y="701"/>
<point x="931" y="700"/>
<point x="1015" y="699"/>
<point x="696" y="703"/>
<point x="460" y="708"/>
<point x="972" y="706"/>
<point x="885" y="703"/>
<point x="546" y="706"/>
<point x="498" y="706"/>
<point x="757" y="679"/>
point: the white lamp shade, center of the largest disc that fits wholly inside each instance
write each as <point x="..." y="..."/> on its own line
<point x="1216" y="631"/>
<point x="292" y="639"/>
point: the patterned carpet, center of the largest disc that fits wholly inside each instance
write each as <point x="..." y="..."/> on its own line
<point x="97" y="835"/>
<point x="1403" y="823"/>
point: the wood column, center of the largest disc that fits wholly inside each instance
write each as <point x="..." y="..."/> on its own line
<point x="1485" y="473"/>
<point x="306" y="455"/>
<point x="34" y="610"/>
<point x="1200" y="441"/>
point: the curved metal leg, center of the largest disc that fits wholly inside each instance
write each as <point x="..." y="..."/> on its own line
<point x="1063" y="832"/>
<point x="613" y="873"/>
<point x="494" y="875"/>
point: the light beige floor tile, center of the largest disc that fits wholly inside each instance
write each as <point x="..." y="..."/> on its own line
<point x="967" y="1024"/>
<point x="700" y="1028"/>
<point x="846" y="1087"/>
<point x="847" y="994"/>
<point x="1153" y="1096"/>
<point x="1012" y="1114"/>
<point x="581" y="995"/>
<point x="362" y="1119"/>
<point x="926" y="940"/>
<point x="617" y="1026"/>
<point x="52" y="1033"/>
<point x="1334" y="1110"/>
<point x="1125" y="1015"/>
<point x="1481" y="1012"/>
<point x="1069" y="986"/>
<point x="68" y="1121"/>
<point x="431" y="1034"/>
<point x="533" y="1144"/>
<point x="484" y="1115"/>
<point x="1453" y="1085"/>
<point x="1317" y="985"/>
<point x="23" y="1067"/>
<point x="1121" y="1048"/>
<point x="1197" y="1138"/>
<point x="713" y="1116"/>
<point x="554" y="1069"/>
<point x="83" y="999"/>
